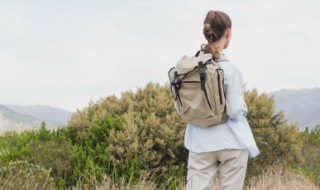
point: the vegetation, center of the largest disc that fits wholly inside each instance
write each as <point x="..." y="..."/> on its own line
<point x="277" y="140"/>
<point x="278" y="177"/>
<point x="311" y="153"/>
<point x="23" y="175"/>
<point x="137" y="139"/>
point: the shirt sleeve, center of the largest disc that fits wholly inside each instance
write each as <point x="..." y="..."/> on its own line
<point x="235" y="103"/>
<point x="245" y="109"/>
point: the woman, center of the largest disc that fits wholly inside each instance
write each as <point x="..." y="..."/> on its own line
<point x="223" y="149"/>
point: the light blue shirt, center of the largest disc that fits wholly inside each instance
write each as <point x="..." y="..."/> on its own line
<point x="236" y="132"/>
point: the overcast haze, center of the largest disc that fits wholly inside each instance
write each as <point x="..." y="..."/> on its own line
<point x="66" y="53"/>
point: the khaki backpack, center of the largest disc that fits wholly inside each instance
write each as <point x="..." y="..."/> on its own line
<point x="197" y="87"/>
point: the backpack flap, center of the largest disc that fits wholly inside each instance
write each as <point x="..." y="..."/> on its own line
<point x="187" y="64"/>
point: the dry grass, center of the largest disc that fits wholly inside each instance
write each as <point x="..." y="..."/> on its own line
<point x="278" y="178"/>
<point x="143" y="183"/>
<point x="274" y="178"/>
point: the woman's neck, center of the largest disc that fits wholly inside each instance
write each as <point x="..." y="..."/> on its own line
<point x="218" y="46"/>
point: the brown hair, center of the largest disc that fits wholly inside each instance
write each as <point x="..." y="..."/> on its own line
<point x="214" y="26"/>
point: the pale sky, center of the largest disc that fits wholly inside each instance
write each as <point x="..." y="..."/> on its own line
<point x="66" y="53"/>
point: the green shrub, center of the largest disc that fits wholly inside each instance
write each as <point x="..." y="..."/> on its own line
<point x="24" y="175"/>
<point x="277" y="140"/>
<point x="311" y="153"/>
<point x="142" y="132"/>
<point x="138" y="133"/>
<point x="150" y="134"/>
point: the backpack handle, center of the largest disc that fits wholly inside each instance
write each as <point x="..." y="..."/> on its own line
<point x="197" y="54"/>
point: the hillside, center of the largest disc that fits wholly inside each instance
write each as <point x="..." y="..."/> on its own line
<point x="42" y="112"/>
<point x="299" y="105"/>
<point x="13" y="121"/>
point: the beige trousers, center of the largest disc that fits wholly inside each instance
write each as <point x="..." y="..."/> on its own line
<point x="231" y="165"/>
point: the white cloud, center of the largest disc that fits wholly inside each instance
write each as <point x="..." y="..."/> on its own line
<point x="13" y="26"/>
<point x="65" y="54"/>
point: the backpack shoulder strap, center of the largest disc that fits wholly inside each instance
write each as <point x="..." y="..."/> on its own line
<point x="198" y="53"/>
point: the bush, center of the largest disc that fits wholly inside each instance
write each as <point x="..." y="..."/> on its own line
<point x="24" y="175"/>
<point x="277" y="140"/>
<point x="311" y="153"/>
<point x="149" y="134"/>
<point x="140" y="132"/>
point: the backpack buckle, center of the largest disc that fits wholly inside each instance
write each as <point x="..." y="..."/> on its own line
<point x="175" y="83"/>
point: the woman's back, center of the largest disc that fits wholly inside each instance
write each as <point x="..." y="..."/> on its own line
<point x="224" y="136"/>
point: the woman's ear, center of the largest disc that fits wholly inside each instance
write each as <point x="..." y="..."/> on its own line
<point x="228" y="33"/>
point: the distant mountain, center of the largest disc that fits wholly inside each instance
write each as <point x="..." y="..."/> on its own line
<point x="11" y="121"/>
<point x="42" y="112"/>
<point x="30" y="117"/>
<point x="301" y="106"/>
